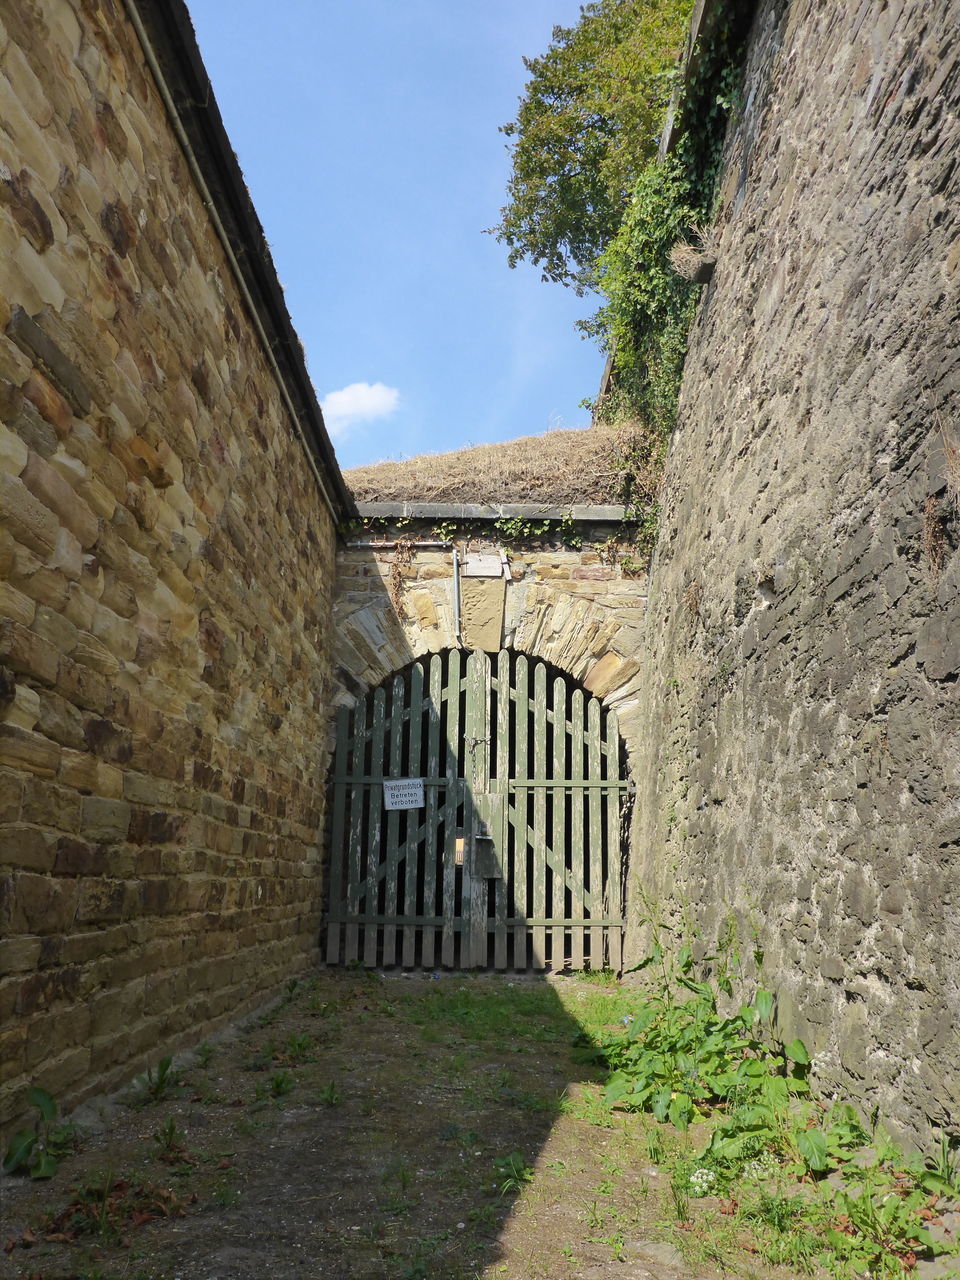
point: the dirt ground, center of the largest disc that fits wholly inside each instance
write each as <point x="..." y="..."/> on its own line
<point x="427" y="1127"/>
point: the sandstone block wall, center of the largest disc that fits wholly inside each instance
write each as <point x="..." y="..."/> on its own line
<point x="800" y="775"/>
<point x="166" y="565"/>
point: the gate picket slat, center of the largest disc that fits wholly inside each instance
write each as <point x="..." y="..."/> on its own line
<point x="355" y="848"/>
<point x="374" y="826"/>
<point x="595" y="800"/>
<point x="575" y="835"/>
<point x="614" y="906"/>
<point x="503" y="773"/>
<point x="391" y="874"/>
<point x="473" y="940"/>
<point x="452" y="751"/>
<point x="431" y="907"/>
<point x="517" y="828"/>
<point x="408" y="951"/>
<point x="472" y="770"/>
<point x="539" y="812"/>
<point x="558" y="839"/>
<point x="338" y="850"/>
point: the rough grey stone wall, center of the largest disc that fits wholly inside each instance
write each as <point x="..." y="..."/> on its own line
<point x="801" y="753"/>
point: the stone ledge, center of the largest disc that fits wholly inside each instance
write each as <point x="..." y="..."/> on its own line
<point x="491" y="511"/>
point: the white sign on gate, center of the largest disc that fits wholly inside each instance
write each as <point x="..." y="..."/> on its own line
<point x="403" y="793"/>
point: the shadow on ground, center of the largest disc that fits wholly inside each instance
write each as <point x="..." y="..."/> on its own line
<point x="364" y="1126"/>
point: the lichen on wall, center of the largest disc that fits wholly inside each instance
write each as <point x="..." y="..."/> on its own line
<point x="165" y="582"/>
<point x="800" y="767"/>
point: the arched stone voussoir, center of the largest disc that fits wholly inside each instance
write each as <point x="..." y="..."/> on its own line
<point x="371" y="644"/>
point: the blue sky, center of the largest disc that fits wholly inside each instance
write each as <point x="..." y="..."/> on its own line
<point x="368" y="135"/>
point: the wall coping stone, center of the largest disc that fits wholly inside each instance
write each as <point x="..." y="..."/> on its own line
<point x="491" y="511"/>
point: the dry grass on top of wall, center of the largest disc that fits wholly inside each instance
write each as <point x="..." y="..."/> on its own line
<point x="558" y="467"/>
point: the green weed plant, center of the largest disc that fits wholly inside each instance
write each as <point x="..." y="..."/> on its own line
<point x="168" y="1137"/>
<point x="817" y="1187"/>
<point x="159" y="1083"/>
<point x="329" y="1095"/>
<point x="204" y="1053"/>
<point x="38" y="1151"/>
<point x="512" y="1173"/>
<point x="678" y="1057"/>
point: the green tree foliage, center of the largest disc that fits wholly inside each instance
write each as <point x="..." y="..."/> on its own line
<point x="648" y="306"/>
<point x="587" y="125"/>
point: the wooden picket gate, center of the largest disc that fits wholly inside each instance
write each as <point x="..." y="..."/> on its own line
<point x="515" y="859"/>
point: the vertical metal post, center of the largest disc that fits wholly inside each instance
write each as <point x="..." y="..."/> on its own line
<point x="456" y="598"/>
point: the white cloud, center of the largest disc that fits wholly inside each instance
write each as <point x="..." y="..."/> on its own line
<point x="360" y="402"/>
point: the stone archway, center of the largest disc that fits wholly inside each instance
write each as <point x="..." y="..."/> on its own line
<point x="570" y="595"/>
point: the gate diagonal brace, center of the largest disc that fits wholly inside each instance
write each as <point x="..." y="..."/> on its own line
<point x="555" y="864"/>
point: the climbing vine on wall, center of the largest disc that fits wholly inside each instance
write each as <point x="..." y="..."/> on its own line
<point x="648" y="307"/>
<point x="402" y="555"/>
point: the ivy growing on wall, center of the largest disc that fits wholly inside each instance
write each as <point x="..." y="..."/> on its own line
<point x="561" y="531"/>
<point x="648" y="308"/>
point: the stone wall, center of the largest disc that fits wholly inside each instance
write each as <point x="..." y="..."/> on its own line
<point x="577" y="604"/>
<point x="165" y="580"/>
<point x="801" y="762"/>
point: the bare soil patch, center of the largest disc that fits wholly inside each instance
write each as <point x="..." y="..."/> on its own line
<point x="441" y="1127"/>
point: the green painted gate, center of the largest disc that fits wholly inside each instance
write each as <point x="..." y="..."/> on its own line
<point x="514" y="860"/>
